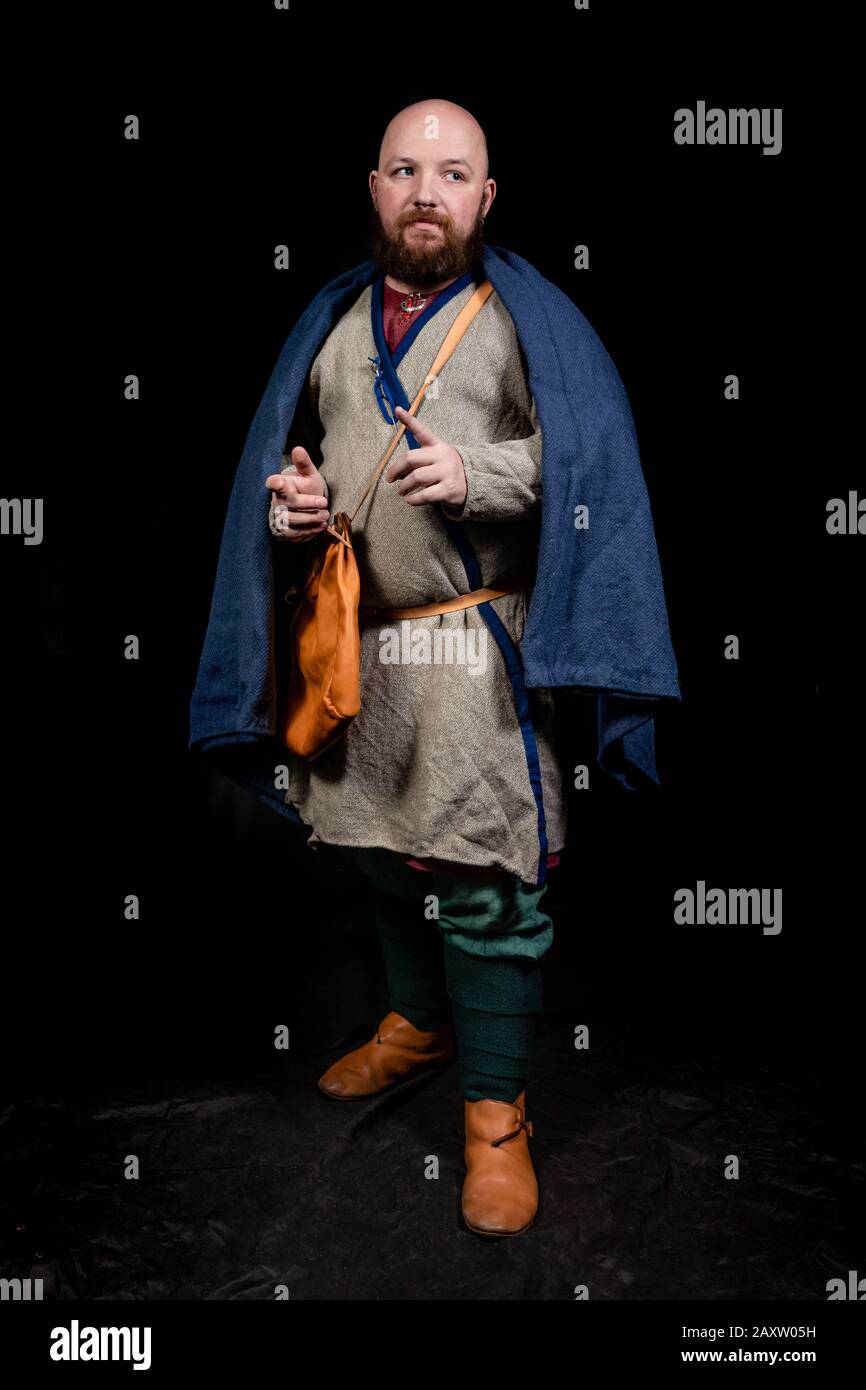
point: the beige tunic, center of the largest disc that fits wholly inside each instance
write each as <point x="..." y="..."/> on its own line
<point x="434" y="765"/>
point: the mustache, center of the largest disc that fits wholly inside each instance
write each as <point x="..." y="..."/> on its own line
<point x="424" y="217"/>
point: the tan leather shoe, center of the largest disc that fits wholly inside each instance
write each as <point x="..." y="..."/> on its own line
<point x="397" y="1051"/>
<point x="500" y="1192"/>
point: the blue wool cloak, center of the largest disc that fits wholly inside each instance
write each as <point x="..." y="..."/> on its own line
<point x="597" y="620"/>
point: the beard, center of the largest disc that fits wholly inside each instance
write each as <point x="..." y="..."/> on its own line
<point x="426" y="260"/>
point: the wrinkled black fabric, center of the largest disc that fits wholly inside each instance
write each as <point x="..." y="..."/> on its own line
<point x="700" y="1046"/>
<point x="248" y="1182"/>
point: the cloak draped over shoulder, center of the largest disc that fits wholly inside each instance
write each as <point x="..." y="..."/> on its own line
<point x="597" y="619"/>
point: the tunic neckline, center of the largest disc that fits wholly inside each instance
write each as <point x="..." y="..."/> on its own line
<point x="377" y="304"/>
<point x="387" y="383"/>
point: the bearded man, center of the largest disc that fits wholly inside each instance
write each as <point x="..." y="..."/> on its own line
<point x="520" y="475"/>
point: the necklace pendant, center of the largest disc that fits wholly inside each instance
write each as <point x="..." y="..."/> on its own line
<point x="409" y="307"/>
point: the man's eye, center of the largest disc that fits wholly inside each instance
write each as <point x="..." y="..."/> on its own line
<point x="409" y="167"/>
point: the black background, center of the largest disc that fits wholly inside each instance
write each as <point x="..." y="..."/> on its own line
<point x="260" y="130"/>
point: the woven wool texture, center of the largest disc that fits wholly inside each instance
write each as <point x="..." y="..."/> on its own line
<point x="434" y="764"/>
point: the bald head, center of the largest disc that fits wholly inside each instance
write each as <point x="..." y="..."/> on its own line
<point x="452" y="127"/>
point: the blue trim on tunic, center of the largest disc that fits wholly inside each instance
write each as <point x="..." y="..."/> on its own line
<point x="387" y="361"/>
<point x="380" y="390"/>
<point x="514" y="666"/>
<point x="510" y="653"/>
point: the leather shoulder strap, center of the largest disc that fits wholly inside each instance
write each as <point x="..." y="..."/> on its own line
<point x="450" y="341"/>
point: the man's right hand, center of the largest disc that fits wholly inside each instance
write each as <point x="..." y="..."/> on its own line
<point x="299" y="507"/>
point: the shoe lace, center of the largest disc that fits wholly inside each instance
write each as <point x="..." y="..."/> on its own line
<point x="521" y="1124"/>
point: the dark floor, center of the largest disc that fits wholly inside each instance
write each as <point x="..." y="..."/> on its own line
<point x="251" y="1180"/>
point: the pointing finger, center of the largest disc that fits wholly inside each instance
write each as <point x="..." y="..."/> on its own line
<point x="422" y="433"/>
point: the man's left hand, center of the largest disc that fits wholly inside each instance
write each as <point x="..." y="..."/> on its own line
<point x="432" y="473"/>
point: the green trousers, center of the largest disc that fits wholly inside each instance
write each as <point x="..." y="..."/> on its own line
<point x="466" y="948"/>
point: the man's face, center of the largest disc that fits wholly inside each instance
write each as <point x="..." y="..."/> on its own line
<point x="430" y="201"/>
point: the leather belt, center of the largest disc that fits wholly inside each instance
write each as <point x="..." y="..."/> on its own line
<point x="448" y="605"/>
